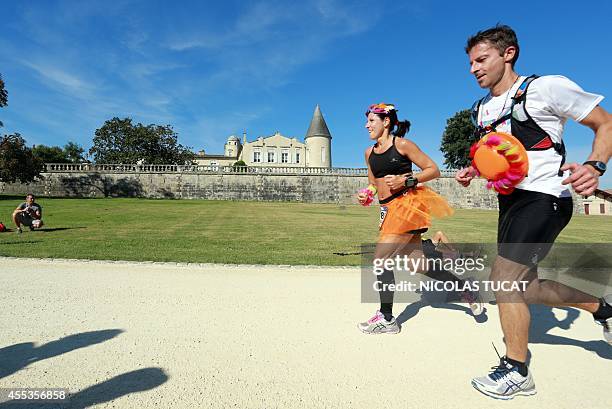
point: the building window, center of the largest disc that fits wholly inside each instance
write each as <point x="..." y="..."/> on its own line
<point x="586" y="208"/>
<point x="602" y="208"/>
<point x="297" y="157"/>
<point x="271" y="157"/>
<point x="257" y="157"/>
<point x="285" y="157"/>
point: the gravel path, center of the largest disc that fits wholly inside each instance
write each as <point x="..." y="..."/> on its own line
<point x="143" y="335"/>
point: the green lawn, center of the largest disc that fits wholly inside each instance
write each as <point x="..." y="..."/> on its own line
<point x="231" y="232"/>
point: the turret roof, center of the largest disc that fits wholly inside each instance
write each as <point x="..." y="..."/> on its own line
<point x="318" y="127"/>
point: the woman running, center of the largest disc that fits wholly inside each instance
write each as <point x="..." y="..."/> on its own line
<point x="407" y="207"/>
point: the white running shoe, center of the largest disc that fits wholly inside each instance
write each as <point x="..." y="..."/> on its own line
<point x="379" y="325"/>
<point x="505" y="382"/>
<point x="474" y="301"/>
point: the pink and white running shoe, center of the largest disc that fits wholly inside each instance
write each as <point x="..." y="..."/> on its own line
<point x="379" y="325"/>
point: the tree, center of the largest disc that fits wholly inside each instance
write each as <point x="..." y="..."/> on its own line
<point x="239" y="164"/>
<point x="74" y="153"/>
<point x="50" y="154"/>
<point x="70" y="153"/>
<point x="17" y="161"/>
<point x="3" y="96"/>
<point x="119" y="141"/>
<point x="457" y="139"/>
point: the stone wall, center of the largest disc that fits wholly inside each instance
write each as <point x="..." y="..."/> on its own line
<point x="324" y="188"/>
<point x="309" y="188"/>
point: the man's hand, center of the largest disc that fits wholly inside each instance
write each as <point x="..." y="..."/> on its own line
<point x="395" y="182"/>
<point x="465" y="176"/>
<point x="584" y="178"/>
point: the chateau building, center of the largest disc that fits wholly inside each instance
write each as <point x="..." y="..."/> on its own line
<point x="277" y="149"/>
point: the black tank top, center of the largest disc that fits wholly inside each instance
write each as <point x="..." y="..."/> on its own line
<point x="390" y="162"/>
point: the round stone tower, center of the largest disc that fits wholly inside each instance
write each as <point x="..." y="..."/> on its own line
<point x="232" y="146"/>
<point x="318" y="142"/>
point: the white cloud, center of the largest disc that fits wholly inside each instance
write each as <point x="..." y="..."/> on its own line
<point x="171" y="72"/>
<point x="267" y="42"/>
<point x="58" y="76"/>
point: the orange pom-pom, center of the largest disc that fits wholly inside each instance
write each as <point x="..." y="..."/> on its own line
<point x="501" y="159"/>
<point x="490" y="163"/>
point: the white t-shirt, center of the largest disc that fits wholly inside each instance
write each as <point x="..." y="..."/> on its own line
<point x="551" y="100"/>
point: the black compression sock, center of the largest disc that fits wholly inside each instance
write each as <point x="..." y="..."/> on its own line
<point x="604" y="311"/>
<point x="386" y="296"/>
<point x="521" y="366"/>
<point x="386" y="309"/>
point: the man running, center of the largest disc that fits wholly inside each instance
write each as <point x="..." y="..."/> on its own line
<point x="534" y="110"/>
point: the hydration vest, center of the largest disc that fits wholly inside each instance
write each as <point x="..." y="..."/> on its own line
<point x="522" y="125"/>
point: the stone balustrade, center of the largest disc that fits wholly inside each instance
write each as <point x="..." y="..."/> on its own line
<point x="291" y="184"/>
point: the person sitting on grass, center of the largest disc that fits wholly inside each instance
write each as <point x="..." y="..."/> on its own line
<point x="29" y="213"/>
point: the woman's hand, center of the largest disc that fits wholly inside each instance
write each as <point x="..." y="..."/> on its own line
<point x="395" y="182"/>
<point x="366" y="196"/>
<point x="362" y="198"/>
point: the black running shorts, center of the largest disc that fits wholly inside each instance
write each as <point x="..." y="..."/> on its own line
<point x="529" y="222"/>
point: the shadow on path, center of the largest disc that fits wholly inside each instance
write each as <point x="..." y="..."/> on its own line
<point x="543" y="320"/>
<point x="16" y="357"/>
<point x="438" y="300"/>
<point x="136" y="381"/>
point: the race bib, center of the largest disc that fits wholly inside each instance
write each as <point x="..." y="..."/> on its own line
<point x="383" y="214"/>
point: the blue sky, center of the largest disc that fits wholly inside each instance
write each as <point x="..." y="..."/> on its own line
<point x="212" y="69"/>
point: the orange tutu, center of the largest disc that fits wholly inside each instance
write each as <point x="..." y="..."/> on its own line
<point x="412" y="211"/>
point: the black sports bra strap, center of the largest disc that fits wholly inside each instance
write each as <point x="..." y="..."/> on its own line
<point x="376" y="143"/>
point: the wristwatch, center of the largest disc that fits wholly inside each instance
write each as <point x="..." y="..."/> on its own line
<point x="411" y="181"/>
<point x="599" y="166"/>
